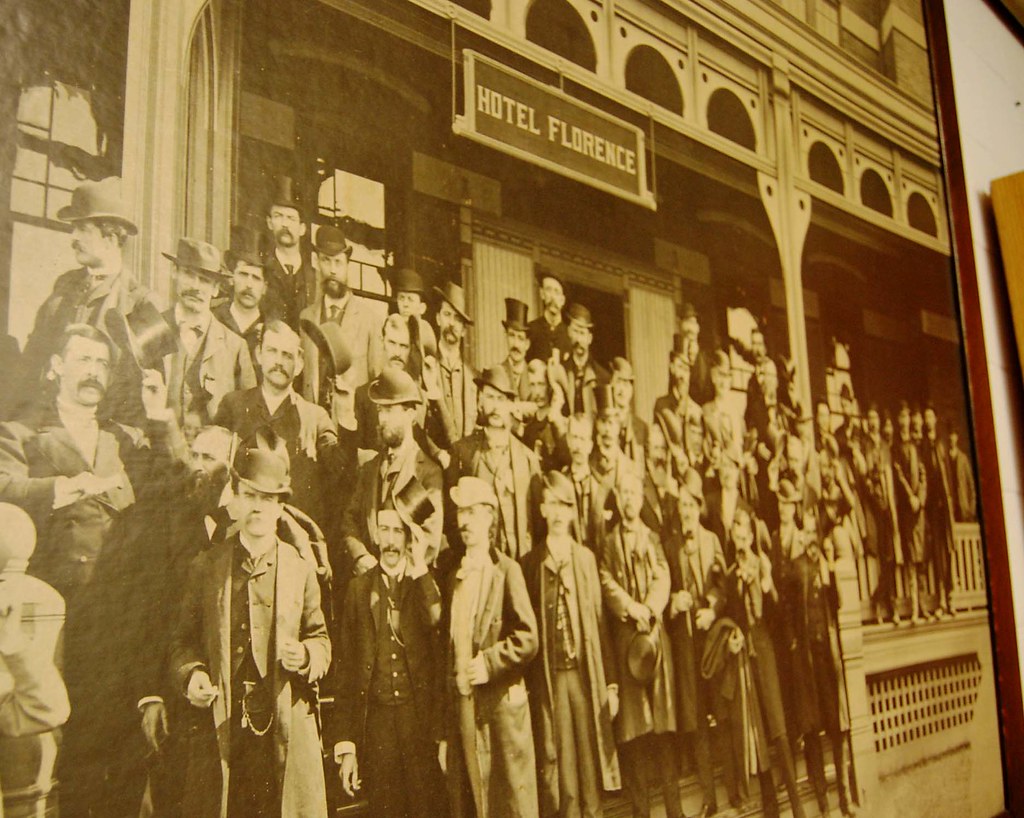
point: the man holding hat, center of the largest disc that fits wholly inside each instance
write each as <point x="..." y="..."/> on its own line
<point x="291" y="280"/>
<point x="490" y="634"/>
<point x="457" y="379"/>
<point x="493" y="454"/>
<point x="243" y="314"/>
<point x="249" y="647"/>
<point x="633" y="430"/>
<point x="635" y="586"/>
<point x="583" y="373"/>
<point x="548" y="333"/>
<point x="574" y="692"/>
<point x="337" y="305"/>
<point x="210" y="360"/>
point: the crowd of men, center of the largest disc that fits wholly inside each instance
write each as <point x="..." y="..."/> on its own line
<point x="286" y="531"/>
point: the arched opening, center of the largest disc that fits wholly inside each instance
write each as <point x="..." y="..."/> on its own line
<point x="823" y="167"/>
<point x="920" y="214"/>
<point x="481" y="7"/>
<point x="728" y="117"/>
<point x="556" y="26"/>
<point x="649" y="75"/>
<point x="874" y="193"/>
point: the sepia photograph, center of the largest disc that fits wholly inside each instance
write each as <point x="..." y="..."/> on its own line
<point x="496" y="408"/>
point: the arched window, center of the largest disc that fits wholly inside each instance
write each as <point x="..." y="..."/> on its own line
<point x="649" y="75"/>
<point x="823" y="167"/>
<point x="874" y="193"/>
<point x="556" y="26"/>
<point x="727" y="117"/>
<point x="920" y="214"/>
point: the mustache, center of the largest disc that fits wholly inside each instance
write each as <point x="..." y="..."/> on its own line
<point x="93" y="382"/>
<point x="193" y="293"/>
<point x="278" y="368"/>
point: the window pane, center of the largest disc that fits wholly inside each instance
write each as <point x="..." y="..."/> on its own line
<point x="27" y="198"/>
<point x="34" y="107"/>
<point x="30" y="165"/>
<point x="63" y="178"/>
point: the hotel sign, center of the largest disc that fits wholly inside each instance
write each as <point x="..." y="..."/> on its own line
<point x="533" y="121"/>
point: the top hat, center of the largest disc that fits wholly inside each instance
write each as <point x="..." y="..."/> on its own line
<point x="407" y="280"/>
<point x="456" y="296"/>
<point x="285" y="195"/>
<point x="688" y="311"/>
<point x="497" y="378"/>
<point x="604" y="400"/>
<point x="199" y="256"/>
<point x="394" y="386"/>
<point x="515" y="314"/>
<point x="98" y="200"/>
<point x="678" y="344"/>
<point x="472" y="491"/>
<point x="787" y="492"/>
<point x="144" y="333"/>
<point x="692" y="484"/>
<point x="413" y="502"/>
<point x="541" y="272"/>
<point x="264" y="468"/>
<point x="622" y="368"/>
<point x="331" y="240"/>
<point x="244" y="247"/>
<point x="330" y="341"/>
<point x="643" y="656"/>
<point x="581" y="315"/>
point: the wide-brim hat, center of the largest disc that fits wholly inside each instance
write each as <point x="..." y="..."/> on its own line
<point x="244" y="247"/>
<point x="472" y="491"/>
<point x="496" y="377"/>
<point x="643" y="656"/>
<point x="264" y="468"/>
<point x="199" y="256"/>
<point x="394" y="386"/>
<point x="330" y="341"/>
<point x="407" y="280"/>
<point x="98" y="200"/>
<point x="580" y="314"/>
<point x="330" y="240"/>
<point x="516" y="314"/>
<point x="144" y="334"/>
<point x="456" y="296"/>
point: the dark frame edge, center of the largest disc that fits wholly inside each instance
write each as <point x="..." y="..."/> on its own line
<point x="1008" y="678"/>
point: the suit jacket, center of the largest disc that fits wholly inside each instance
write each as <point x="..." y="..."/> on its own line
<point x="939" y="505"/>
<point x="358" y="328"/>
<point x="593" y="374"/>
<point x="882" y="533"/>
<point x="251" y="336"/>
<point x="441" y="426"/>
<point x="633" y="441"/>
<point x="592" y="530"/>
<point x="288" y="608"/>
<point x="910" y="481"/>
<point x="544" y="339"/>
<point x="467" y="458"/>
<point x="288" y="293"/>
<point x="692" y="418"/>
<point x="714" y="521"/>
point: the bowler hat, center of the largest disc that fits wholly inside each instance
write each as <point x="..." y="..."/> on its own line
<point x="244" y="247"/>
<point x="144" y="333"/>
<point x="692" y="484"/>
<point x="515" y="314"/>
<point x="560" y="487"/>
<point x="199" y="256"/>
<point x="394" y="386"/>
<point x="643" y="655"/>
<point x="622" y="368"/>
<point x="604" y="400"/>
<point x="456" y="296"/>
<point x="787" y="491"/>
<point x="541" y="272"/>
<point x="285" y="194"/>
<point x="472" y="491"/>
<point x="98" y="200"/>
<point x="264" y="468"/>
<point x="330" y="341"/>
<point x="407" y="280"/>
<point x="581" y="315"/>
<point x="413" y="502"/>
<point x="331" y="240"/>
<point x="497" y="378"/>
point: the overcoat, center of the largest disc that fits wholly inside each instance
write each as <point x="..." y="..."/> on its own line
<point x="290" y="610"/>
<point x="596" y="525"/>
<point x="910" y="481"/>
<point x="599" y="670"/>
<point x="882" y="533"/>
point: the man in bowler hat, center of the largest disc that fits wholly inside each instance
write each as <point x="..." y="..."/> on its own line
<point x="582" y="372"/>
<point x="291" y="280"/>
<point x="243" y="313"/>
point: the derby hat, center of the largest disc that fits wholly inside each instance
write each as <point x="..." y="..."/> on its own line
<point x="516" y="313"/>
<point x="98" y="200"/>
<point x="407" y="280"/>
<point x="560" y="487"/>
<point x="244" y="247"/>
<point x="787" y="491"/>
<point x="692" y="484"/>
<point x="394" y="386"/>
<point x="264" y="468"/>
<point x="580" y="314"/>
<point x="472" y="491"/>
<point x="456" y="296"/>
<point x="285" y="194"/>
<point x="330" y="341"/>
<point x="331" y="240"/>
<point x="199" y="256"/>
<point x="144" y="333"/>
<point x="541" y="272"/>
<point x="413" y="502"/>
<point x="622" y="368"/>
<point x="643" y="656"/>
<point x="496" y="377"/>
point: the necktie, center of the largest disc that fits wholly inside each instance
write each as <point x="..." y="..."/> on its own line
<point x="333" y="312"/>
<point x="290" y="269"/>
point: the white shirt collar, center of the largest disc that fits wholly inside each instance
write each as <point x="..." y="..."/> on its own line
<point x="273" y="401"/>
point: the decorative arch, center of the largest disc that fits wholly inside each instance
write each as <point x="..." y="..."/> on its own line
<point x="874" y="193"/>
<point x="649" y="75"/>
<point x="920" y="215"/>
<point x="823" y="167"/>
<point x="558" y="27"/>
<point x="728" y="117"/>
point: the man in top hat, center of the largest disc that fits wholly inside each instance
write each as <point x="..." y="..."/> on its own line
<point x="210" y="360"/>
<point x="633" y="430"/>
<point x="680" y="413"/>
<point x="80" y="476"/>
<point x="517" y="342"/>
<point x="635" y="586"/>
<point x="701" y="386"/>
<point x="548" y="332"/>
<point x="249" y="647"/>
<point x="291" y="280"/>
<point x="243" y="314"/>
<point x="493" y="454"/>
<point x="574" y="692"/>
<point x="592" y="496"/>
<point x="394" y="477"/>
<point x="338" y="304"/>
<point x="582" y="372"/>
<point x="386" y="721"/>
<point x="100" y="226"/>
<point x="697" y="569"/>
<point x="490" y="635"/>
<point x="457" y="379"/>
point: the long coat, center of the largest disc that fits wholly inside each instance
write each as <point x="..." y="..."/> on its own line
<point x="643" y="708"/>
<point x="910" y="481"/>
<point x="882" y="533"/>
<point x="203" y="639"/>
<point x="358" y="328"/>
<point x="591" y="531"/>
<point x="599" y="670"/>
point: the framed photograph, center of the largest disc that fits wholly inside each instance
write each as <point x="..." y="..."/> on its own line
<point x="518" y="406"/>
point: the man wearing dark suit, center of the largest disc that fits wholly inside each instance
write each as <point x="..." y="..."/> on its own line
<point x="548" y="332"/>
<point x="517" y="342"/>
<point x="387" y="720"/>
<point x="722" y="501"/>
<point x="633" y="430"/>
<point x="210" y="360"/>
<point x="291" y="280"/>
<point x="582" y="372"/>
<point x="912" y="487"/>
<point x="243" y="313"/>
<point x="661" y="489"/>
<point x="592" y="496"/>
<point x="395" y="349"/>
<point x="456" y="378"/>
<point x="490" y="634"/>
<point x="701" y="387"/>
<point x="882" y="538"/>
<point x="938" y="510"/>
<point x="495" y="455"/>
